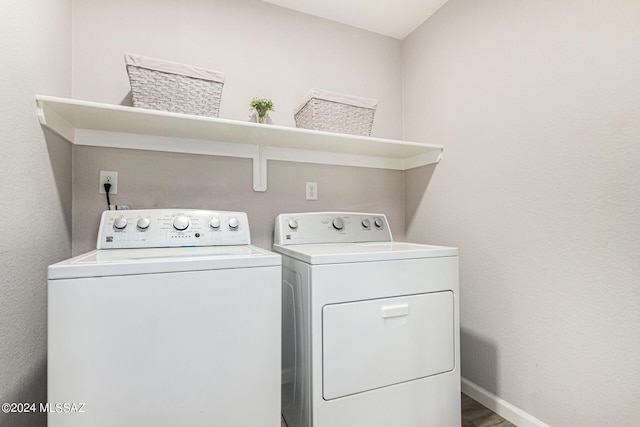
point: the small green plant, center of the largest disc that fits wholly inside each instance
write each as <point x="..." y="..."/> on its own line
<point x="262" y="107"/>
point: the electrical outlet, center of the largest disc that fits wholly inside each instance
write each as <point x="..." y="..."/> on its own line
<point x="111" y="178"/>
<point x="312" y="190"/>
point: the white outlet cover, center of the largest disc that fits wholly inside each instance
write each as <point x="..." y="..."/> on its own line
<point x="312" y="190"/>
<point x="106" y="176"/>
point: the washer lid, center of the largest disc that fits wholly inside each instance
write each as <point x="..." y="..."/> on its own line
<point x="339" y="253"/>
<point x="118" y="262"/>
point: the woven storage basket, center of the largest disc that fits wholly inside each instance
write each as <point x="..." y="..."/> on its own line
<point x="169" y="86"/>
<point x="336" y="112"/>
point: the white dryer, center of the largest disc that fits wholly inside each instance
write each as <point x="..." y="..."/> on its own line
<point x="173" y="321"/>
<point x="370" y="326"/>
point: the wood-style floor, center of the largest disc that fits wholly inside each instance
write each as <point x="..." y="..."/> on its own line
<point x="474" y="415"/>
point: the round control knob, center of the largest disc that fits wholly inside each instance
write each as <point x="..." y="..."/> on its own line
<point x="338" y="223"/>
<point x="293" y="224"/>
<point x="214" y="223"/>
<point x="181" y="223"/>
<point x="378" y="222"/>
<point x="233" y="223"/>
<point x="366" y="223"/>
<point x="143" y="223"/>
<point x="120" y="223"/>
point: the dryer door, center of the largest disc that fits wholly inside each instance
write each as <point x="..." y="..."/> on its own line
<point x="377" y="343"/>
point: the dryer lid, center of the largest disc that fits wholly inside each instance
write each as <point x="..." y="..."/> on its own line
<point x="339" y="253"/>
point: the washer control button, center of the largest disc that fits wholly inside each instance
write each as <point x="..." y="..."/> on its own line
<point x="338" y="223"/>
<point x="143" y="223"/>
<point x="233" y="223"/>
<point x="366" y="223"/>
<point x="293" y="224"/>
<point x="214" y="223"/>
<point x="120" y="223"/>
<point x="181" y="223"/>
<point x="378" y="222"/>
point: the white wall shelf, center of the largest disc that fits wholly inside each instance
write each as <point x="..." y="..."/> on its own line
<point x="116" y="126"/>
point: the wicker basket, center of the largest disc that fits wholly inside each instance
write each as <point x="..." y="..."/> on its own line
<point x="336" y="112"/>
<point x="169" y="86"/>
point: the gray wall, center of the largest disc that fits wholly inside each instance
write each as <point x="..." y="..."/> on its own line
<point x="35" y="38"/>
<point x="154" y="179"/>
<point x="538" y="106"/>
<point x="265" y="51"/>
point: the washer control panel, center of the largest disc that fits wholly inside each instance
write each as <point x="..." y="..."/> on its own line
<point x="161" y="228"/>
<point x="331" y="227"/>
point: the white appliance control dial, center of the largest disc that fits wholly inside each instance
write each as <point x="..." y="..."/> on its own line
<point x="159" y="228"/>
<point x="120" y="223"/>
<point x="233" y="223"/>
<point x="320" y="227"/>
<point x="181" y="222"/>
<point x="143" y="223"/>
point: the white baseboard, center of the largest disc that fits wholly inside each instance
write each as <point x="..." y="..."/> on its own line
<point x="501" y="407"/>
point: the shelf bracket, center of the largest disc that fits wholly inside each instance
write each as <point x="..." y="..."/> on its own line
<point x="40" y="108"/>
<point x="260" y="170"/>
<point x="52" y="120"/>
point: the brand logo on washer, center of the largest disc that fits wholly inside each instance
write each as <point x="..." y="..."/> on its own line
<point x="109" y="239"/>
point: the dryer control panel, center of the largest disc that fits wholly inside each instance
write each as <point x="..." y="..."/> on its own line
<point x="331" y="227"/>
<point x="160" y="228"/>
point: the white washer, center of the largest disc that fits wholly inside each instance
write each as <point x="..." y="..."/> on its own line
<point x="181" y="328"/>
<point x="370" y="326"/>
